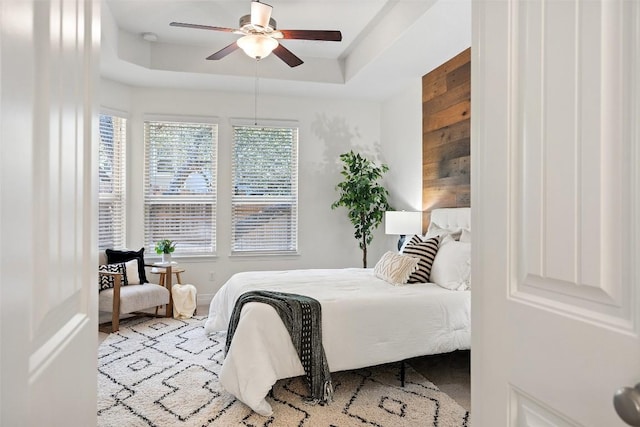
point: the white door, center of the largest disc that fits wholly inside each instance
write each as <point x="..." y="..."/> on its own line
<point x="48" y="255"/>
<point x="556" y="210"/>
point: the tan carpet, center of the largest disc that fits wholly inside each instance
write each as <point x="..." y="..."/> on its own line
<point x="163" y="372"/>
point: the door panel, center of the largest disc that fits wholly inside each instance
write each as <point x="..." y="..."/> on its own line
<point x="48" y="298"/>
<point x="572" y="254"/>
<point x="555" y="195"/>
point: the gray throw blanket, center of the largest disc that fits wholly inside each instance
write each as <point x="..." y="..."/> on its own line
<point x="302" y="316"/>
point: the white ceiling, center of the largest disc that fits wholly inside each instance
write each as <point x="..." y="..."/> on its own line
<point x="385" y="44"/>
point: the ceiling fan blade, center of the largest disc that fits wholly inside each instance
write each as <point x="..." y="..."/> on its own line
<point x="260" y="14"/>
<point x="287" y="56"/>
<point x="224" y="51"/>
<point x="202" y="27"/>
<point x="332" y="36"/>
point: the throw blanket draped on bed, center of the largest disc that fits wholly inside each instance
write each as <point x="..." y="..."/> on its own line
<point x="302" y="317"/>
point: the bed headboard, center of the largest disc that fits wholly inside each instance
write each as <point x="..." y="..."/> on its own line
<point x="451" y="218"/>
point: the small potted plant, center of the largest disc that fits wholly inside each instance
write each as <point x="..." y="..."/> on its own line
<point x="165" y="248"/>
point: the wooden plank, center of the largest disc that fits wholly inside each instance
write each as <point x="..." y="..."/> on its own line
<point x="461" y="58"/>
<point x="452" y="168"/>
<point x="450" y="181"/>
<point x="434" y="171"/>
<point x="463" y="198"/>
<point x="453" y="150"/>
<point x="429" y="171"/>
<point x="434" y="89"/>
<point x="442" y="169"/>
<point x="447" y="117"/>
<point x="455" y="132"/>
<point x="459" y="76"/>
<point x="445" y="197"/>
<point x="465" y="166"/>
<point x="437" y="197"/>
<point x="426" y="219"/>
<point x="451" y="97"/>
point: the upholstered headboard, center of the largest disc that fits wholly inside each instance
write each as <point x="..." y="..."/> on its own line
<point x="451" y="218"/>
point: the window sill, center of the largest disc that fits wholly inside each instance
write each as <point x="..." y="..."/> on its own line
<point x="258" y="255"/>
<point x="184" y="258"/>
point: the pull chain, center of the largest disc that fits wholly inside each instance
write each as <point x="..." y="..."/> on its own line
<point x="255" y="98"/>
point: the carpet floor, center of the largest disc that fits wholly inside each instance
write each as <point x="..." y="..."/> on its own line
<point x="164" y="372"/>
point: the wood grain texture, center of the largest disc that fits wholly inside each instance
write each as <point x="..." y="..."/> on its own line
<point x="456" y="132"/>
<point x="449" y="116"/>
<point x="446" y="139"/>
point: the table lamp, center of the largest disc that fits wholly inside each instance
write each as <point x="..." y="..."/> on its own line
<point x="402" y="223"/>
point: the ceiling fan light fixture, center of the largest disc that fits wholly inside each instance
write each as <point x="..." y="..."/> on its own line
<point x="260" y="36"/>
<point x="257" y="46"/>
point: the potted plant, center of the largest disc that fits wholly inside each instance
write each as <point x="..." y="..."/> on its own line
<point x="165" y="248"/>
<point x="362" y="195"/>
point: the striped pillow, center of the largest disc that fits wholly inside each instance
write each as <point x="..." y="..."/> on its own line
<point x="426" y="253"/>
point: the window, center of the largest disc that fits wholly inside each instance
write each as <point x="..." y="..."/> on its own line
<point x="180" y="185"/>
<point x="111" y="175"/>
<point x="264" y="204"/>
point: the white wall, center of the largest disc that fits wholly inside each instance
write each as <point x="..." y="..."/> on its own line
<point x="401" y="136"/>
<point x="327" y="128"/>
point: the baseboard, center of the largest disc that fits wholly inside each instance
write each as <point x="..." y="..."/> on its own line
<point x="204" y="299"/>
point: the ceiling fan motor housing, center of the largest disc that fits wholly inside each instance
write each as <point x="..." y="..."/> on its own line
<point x="246" y="25"/>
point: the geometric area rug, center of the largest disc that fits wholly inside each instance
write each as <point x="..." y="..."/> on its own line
<point x="164" y="372"/>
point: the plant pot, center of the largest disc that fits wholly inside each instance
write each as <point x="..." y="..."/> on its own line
<point x="166" y="258"/>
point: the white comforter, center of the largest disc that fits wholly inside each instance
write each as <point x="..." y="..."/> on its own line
<point x="365" y="322"/>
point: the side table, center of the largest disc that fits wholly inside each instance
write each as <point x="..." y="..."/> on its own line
<point x="158" y="268"/>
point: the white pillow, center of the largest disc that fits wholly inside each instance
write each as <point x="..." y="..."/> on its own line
<point x="395" y="268"/>
<point x="133" y="278"/>
<point x="435" y="231"/>
<point x="452" y="266"/>
<point x="465" y="236"/>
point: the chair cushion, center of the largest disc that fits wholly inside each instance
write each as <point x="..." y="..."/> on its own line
<point x="135" y="298"/>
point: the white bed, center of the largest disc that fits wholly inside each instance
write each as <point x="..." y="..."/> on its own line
<point x="365" y="321"/>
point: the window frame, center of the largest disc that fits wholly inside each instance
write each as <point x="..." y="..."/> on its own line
<point x="190" y="200"/>
<point x="291" y="124"/>
<point x="119" y="195"/>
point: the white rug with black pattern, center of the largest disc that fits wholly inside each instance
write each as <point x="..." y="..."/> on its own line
<point x="164" y="372"/>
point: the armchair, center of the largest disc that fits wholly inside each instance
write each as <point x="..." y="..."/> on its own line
<point x="132" y="299"/>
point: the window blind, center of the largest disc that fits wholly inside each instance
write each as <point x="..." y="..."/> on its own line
<point x="180" y="185"/>
<point x="111" y="172"/>
<point x="264" y="204"/>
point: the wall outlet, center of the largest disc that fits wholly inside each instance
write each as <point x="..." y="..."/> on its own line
<point x="212" y="276"/>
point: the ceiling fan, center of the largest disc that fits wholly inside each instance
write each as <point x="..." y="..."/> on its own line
<point x="260" y="36"/>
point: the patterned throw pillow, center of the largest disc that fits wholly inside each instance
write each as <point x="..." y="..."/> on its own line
<point x="108" y="281"/>
<point x="395" y="268"/>
<point x="425" y="252"/>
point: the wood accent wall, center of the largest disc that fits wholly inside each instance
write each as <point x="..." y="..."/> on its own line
<point x="446" y="135"/>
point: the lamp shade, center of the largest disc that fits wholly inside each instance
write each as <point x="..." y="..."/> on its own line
<point x="403" y="222"/>
<point x="257" y="46"/>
